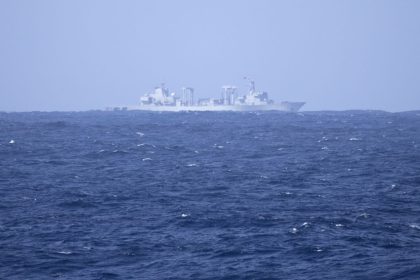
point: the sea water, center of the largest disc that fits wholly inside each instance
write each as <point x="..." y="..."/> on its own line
<point x="137" y="195"/>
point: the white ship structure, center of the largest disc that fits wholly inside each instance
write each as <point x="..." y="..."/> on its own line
<point x="162" y="100"/>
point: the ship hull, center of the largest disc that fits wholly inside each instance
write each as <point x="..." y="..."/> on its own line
<point x="283" y="106"/>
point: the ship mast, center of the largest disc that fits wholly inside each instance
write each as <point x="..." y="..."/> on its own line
<point x="251" y="85"/>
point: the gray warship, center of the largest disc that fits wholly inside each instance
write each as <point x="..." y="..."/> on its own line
<point x="162" y="100"/>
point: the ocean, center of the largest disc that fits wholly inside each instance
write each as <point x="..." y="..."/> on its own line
<point x="210" y="195"/>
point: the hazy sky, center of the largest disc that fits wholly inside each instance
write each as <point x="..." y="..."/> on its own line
<point x="87" y="54"/>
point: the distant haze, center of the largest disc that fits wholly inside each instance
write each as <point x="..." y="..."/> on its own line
<point x="335" y="55"/>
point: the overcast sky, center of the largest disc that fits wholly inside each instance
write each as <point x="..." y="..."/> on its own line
<point x="90" y="54"/>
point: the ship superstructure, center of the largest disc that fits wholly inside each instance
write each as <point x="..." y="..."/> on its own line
<point x="161" y="99"/>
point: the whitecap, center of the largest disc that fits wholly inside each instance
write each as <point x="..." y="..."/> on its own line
<point x="415" y="226"/>
<point x="183" y="215"/>
<point x="354" y="139"/>
<point x="324" y="148"/>
<point x="191" y="164"/>
<point x="305" y="224"/>
<point x="294" y="230"/>
<point x="338" y="225"/>
<point x="65" y="252"/>
<point x="318" y="249"/>
<point x="141" y="134"/>
<point x="323" y="139"/>
<point x="12" y="141"/>
<point x="146" y="159"/>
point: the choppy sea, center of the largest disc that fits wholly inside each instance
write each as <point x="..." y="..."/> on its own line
<point x="135" y="195"/>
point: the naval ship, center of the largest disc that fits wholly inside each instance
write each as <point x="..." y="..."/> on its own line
<point x="162" y="100"/>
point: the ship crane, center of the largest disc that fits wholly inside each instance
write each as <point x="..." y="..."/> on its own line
<point x="187" y="96"/>
<point x="228" y="95"/>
